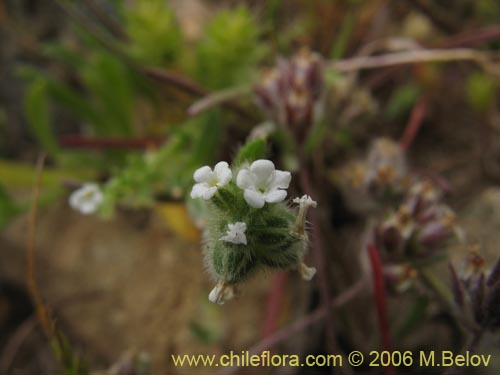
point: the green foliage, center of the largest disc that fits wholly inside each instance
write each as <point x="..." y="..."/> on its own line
<point x="38" y="115"/>
<point x="154" y="32"/>
<point x="488" y="10"/>
<point x="229" y="49"/>
<point x="480" y="91"/>
<point x="166" y="171"/>
<point x="110" y="91"/>
<point x="250" y="151"/>
<point x="8" y="208"/>
<point x="401" y="101"/>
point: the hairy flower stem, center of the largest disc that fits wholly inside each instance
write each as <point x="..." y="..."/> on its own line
<point x="381" y="302"/>
<point x="321" y="262"/>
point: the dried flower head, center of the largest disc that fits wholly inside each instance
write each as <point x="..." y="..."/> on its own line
<point x="420" y="224"/>
<point x="477" y="291"/>
<point x="290" y="92"/>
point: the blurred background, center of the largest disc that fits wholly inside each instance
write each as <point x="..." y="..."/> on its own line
<point x="136" y="95"/>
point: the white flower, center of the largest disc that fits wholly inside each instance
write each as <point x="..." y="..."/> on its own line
<point x="236" y="233"/>
<point x="221" y="293"/>
<point x="87" y="199"/>
<point x="305" y="201"/>
<point x="208" y="182"/>
<point x="262" y="183"/>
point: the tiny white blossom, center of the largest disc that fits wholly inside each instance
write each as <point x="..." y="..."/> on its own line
<point x="262" y="183"/>
<point x="305" y="201"/>
<point x="209" y="181"/>
<point x="87" y="199"/>
<point x="236" y="233"/>
<point x="221" y="293"/>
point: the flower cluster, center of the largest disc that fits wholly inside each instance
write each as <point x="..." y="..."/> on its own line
<point x="420" y="223"/>
<point x="261" y="182"/>
<point x="249" y="225"/>
<point x="477" y="291"/>
<point x="382" y="175"/>
<point x="290" y="92"/>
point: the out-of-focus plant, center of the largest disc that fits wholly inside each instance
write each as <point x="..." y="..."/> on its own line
<point x="229" y="50"/>
<point x="155" y="35"/>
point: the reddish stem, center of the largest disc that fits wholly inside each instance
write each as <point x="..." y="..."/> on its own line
<point x="414" y="123"/>
<point x="274" y="303"/>
<point x="76" y="141"/>
<point x="381" y="301"/>
<point x="473" y="37"/>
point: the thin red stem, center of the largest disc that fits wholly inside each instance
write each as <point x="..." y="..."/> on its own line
<point x="381" y="302"/>
<point x="414" y="123"/>
<point x="274" y="303"/>
<point x="76" y="141"/>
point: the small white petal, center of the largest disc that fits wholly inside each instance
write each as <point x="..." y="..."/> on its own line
<point x="263" y="171"/>
<point x="87" y="199"/>
<point x="223" y="173"/>
<point x="307" y="273"/>
<point x="281" y="179"/>
<point x="221" y="293"/>
<point x="275" y="196"/>
<point x="203" y="174"/>
<point x="87" y="208"/>
<point x="254" y="198"/>
<point x="209" y="192"/>
<point x="245" y="179"/>
<point x="236" y="233"/>
<point x="198" y="190"/>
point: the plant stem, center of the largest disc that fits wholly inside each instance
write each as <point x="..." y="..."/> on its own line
<point x="416" y="118"/>
<point x="412" y="57"/>
<point x="274" y="303"/>
<point x="381" y="302"/>
<point x="298" y="326"/>
<point x="320" y="261"/>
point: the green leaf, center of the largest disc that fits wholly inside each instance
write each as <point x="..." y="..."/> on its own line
<point x="401" y="101"/>
<point x="251" y="151"/>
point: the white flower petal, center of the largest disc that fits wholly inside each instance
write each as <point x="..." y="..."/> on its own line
<point x="281" y="179"/>
<point x="263" y="171"/>
<point x="254" y="198"/>
<point x="87" y="208"/>
<point x="236" y="233"/>
<point x="223" y="173"/>
<point x="275" y="196"/>
<point x="203" y="174"/>
<point x="87" y="199"/>
<point x="209" y="192"/>
<point x="198" y="190"/>
<point x="245" y="179"/>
